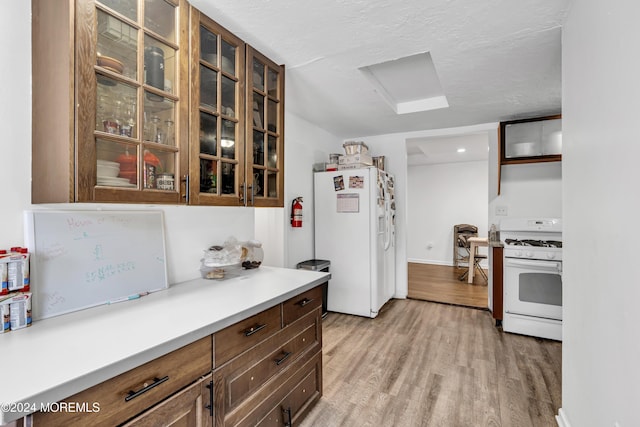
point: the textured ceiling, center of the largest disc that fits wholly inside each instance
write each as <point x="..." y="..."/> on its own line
<point x="496" y="59"/>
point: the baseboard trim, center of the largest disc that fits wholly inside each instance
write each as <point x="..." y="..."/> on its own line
<point x="562" y="419"/>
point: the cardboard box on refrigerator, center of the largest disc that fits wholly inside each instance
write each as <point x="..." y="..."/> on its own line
<point x="360" y="159"/>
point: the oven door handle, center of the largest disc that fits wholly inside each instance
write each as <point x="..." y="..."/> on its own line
<point x="547" y="265"/>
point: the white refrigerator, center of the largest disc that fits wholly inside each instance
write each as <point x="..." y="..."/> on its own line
<point x="355" y="231"/>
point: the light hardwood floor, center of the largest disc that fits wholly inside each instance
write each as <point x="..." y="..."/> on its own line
<point x="427" y="364"/>
<point x="440" y="283"/>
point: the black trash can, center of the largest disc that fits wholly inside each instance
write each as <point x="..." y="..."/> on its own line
<point x="318" y="265"/>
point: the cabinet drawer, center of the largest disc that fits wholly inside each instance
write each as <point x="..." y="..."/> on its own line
<point x="300" y="305"/>
<point x="132" y="392"/>
<point x="292" y="400"/>
<point x="240" y="336"/>
<point x="245" y="374"/>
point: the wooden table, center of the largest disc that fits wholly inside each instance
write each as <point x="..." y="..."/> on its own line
<point x="474" y="243"/>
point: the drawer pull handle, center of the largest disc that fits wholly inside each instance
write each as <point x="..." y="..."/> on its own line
<point x="210" y="405"/>
<point x="252" y="330"/>
<point x="286" y="414"/>
<point x="304" y="302"/>
<point x="156" y="382"/>
<point x="285" y="356"/>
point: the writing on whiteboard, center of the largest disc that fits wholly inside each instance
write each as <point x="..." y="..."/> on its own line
<point x="107" y="271"/>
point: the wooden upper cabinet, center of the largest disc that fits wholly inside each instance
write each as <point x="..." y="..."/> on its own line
<point x="265" y="131"/>
<point x="217" y="172"/>
<point x="150" y="101"/>
<point x="126" y="105"/>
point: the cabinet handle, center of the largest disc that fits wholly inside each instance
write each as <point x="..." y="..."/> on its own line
<point x="252" y="330"/>
<point x="304" y="302"/>
<point x="210" y="405"/>
<point x="156" y="382"/>
<point x="243" y="191"/>
<point x="285" y="356"/>
<point x="251" y="189"/>
<point x="286" y="415"/>
<point x="186" y="188"/>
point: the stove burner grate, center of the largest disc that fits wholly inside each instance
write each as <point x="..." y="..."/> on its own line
<point x="536" y="243"/>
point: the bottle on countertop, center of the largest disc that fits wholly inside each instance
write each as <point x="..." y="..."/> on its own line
<point x="494" y="233"/>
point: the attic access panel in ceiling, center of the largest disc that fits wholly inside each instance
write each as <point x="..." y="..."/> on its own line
<point x="408" y="84"/>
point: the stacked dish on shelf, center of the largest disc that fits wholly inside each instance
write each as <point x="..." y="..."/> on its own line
<point x="107" y="174"/>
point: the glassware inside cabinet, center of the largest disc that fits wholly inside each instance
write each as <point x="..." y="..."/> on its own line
<point x="208" y="132"/>
<point x="128" y="8"/>
<point x="228" y="58"/>
<point x="117" y="45"/>
<point x="228" y="139"/>
<point x="117" y="164"/>
<point x="258" y="182"/>
<point x="258" y="148"/>
<point x="258" y="75"/>
<point x="159" y="119"/>
<point x="115" y="107"/>
<point x="160" y="18"/>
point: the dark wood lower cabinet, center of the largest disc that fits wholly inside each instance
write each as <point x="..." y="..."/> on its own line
<point x="497" y="260"/>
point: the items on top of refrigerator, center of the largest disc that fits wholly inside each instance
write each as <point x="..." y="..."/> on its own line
<point x="355" y="147"/>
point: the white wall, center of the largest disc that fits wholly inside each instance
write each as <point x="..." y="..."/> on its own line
<point x="601" y="134"/>
<point x="438" y="197"/>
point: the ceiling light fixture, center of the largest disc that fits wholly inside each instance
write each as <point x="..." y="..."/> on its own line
<point x="461" y="150"/>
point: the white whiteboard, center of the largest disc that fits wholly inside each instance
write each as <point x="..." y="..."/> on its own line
<point x="81" y="259"/>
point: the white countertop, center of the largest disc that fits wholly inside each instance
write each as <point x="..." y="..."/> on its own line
<point x="60" y="356"/>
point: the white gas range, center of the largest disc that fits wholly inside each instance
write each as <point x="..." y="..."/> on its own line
<point x="532" y="276"/>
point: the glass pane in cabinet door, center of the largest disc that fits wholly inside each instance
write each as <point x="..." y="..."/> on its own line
<point x="128" y="8"/>
<point x="208" y="132"/>
<point x="272" y="83"/>
<point x="154" y="163"/>
<point x="228" y="58"/>
<point x="272" y="116"/>
<point x="159" y="64"/>
<point x="208" y="176"/>
<point x="228" y="178"/>
<point x="159" y="120"/>
<point x="228" y="96"/>
<point x="117" y="46"/>
<point x="272" y="184"/>
<point x="258" y="148"/>
<point x="258" y="111"/>
<point x="117" y="164"/>
<point x="160" y="17"/>
<point x="272" y="152"/>
<point x="115" y="107"/>
<point x="258" y="75"/>
<point x="208" y="88"/>
<point x="208" y="46"/>
<point x="258" y="182"/>
<point x="228" y="139"/>
<point x="158" y="170"/>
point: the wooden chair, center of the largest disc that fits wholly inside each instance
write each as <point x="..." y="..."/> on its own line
<point x="461" y="250"/>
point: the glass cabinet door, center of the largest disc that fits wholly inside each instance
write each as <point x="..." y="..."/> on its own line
<point x="217" y="151"/>
<point x="130" y="122"/>
<point x="265" y="131"/>
<point x="531" y="140"/>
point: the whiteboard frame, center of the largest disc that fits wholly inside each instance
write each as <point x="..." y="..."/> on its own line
<point x="30" y="239"/>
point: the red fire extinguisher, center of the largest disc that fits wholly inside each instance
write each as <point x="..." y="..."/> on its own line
<point x="296" y="212"/>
